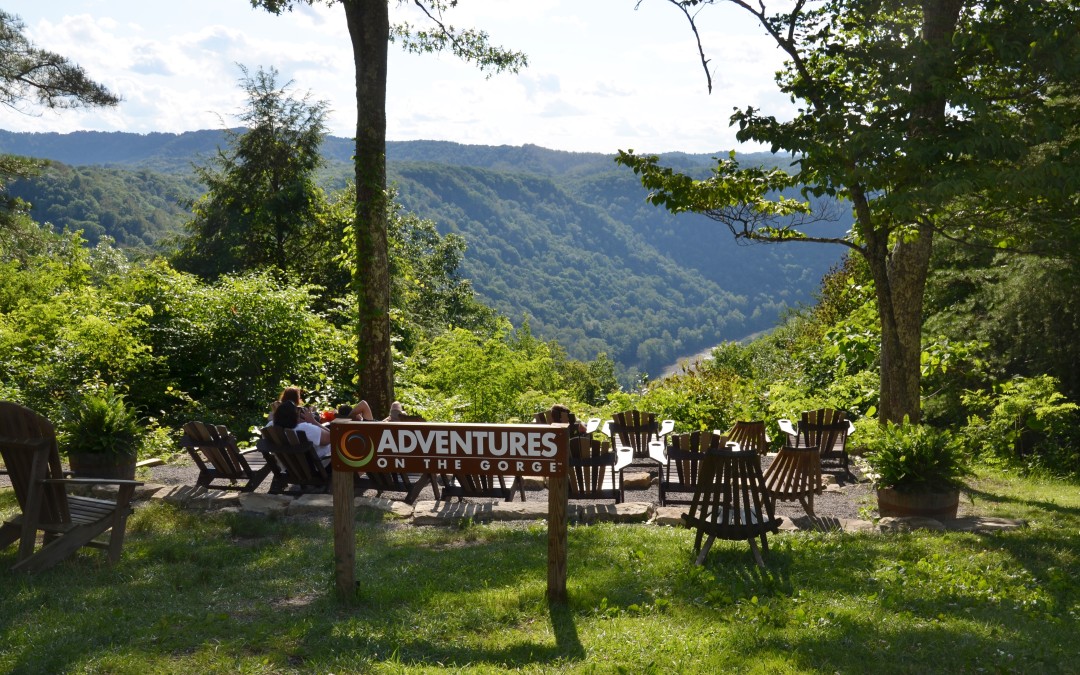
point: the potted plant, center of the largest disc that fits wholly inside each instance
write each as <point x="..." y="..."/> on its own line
<point x="919" y="470"/>
<point x="103" y="436"/>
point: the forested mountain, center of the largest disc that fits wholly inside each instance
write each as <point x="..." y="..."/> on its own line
<point x="565" y="239"/>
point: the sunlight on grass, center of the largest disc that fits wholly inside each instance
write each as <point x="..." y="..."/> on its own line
<point x="204" y="592"/>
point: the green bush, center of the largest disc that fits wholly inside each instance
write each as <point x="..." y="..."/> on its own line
<point x="102" y="422"/>
<point x="916" y="458"/>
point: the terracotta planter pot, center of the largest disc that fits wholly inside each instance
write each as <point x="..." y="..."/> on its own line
<point x="99" y="465"/>
<point x="938" y="505"/>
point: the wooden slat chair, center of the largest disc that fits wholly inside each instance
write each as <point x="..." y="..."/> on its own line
<point x="294" y="462"/>
<point x="570" y="420"/>
<point x="750" y="436"/>
<point x="594" y="471"/>
<point x="214" y="451"/>
<point x="731" y="502"/>
<point x="795" y="473"/>
<point x="67" y="522"/>
<point x="639" y="434"/>
<point x="828" y="430"/>
<point x="681" y="471"/>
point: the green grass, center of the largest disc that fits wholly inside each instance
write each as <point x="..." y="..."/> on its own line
<point x="197" y="593"/>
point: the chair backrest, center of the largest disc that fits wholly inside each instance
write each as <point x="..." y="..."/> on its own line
<point x="731" y="497"/>
<point x="634" y="429"/>
<point x="826" y="429"/>
<point x="28" y="447"/>
<point x="213" y="444"/>
<point x="681" y="473"/>
<point x="592" y="470"/>
<point x="293" y="457"/>
<point x="750" y="436"/>
<point x="559" y="417"/>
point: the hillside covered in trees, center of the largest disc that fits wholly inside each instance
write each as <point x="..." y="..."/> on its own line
<point x="564" y="239"/>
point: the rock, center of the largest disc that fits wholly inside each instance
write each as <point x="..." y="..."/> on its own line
<point x="627" y="512"/>
<point x="636" y="480"/>
<point x="177" y="495"/>
<point x="533" y="483"/>
<point x="854" y="526"/>
<point x="384" y="505"/>
<point x="308" y="504"/>
<point x="153" y="461"/>
<point x="446" y="513"/>
<point x="213" y="499"/>
<point x="264" y="504"/>
<point x="983" y="524"/>
<point x="504" y="511"/>
<point x="144" y="491"/>
<point x="908" y="523"/>
<point x="670" y="516"/>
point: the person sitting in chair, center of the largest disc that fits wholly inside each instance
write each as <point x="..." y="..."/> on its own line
<point x="288" y="416"/>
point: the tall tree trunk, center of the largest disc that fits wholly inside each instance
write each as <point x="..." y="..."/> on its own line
<point x="369" y="29"/>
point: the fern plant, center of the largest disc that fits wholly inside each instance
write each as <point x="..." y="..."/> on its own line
<point x="104" y="423"/>
<point x="917" y="458"/>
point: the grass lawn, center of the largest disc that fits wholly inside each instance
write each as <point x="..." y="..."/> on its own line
<point x="198" y="593"/>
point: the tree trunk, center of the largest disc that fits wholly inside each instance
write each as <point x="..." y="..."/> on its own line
<point x="369" y="29"/>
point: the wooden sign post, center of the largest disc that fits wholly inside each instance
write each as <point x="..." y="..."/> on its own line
<point x="448" y="449"/>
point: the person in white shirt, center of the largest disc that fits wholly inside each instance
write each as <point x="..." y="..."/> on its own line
<point x="289" y="416"/>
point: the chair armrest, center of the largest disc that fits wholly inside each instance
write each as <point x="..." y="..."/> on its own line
<point x="624" y="458"/>
<point x="787" y="427"/>
<point x="606" y="429"/>
<point x="91" y="481"/>
<point x="592" y="425"/>
<point x="850" y="427"/>
<point x="657" y="452"/>
<point x="666" y="427"/>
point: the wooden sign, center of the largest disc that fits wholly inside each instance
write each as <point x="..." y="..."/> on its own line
<point x="436" y="448"/>
<point x="427" y="447"/>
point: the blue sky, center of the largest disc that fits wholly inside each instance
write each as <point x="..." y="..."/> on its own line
<point x="603" y="75"/>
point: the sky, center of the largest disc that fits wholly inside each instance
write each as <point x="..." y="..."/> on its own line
<point x="603" y="75"/>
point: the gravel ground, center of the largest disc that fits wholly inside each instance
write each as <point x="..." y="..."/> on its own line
<point x="849" y="500"/>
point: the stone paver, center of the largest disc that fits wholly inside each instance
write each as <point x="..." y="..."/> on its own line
<point x="257" y="503"/>
<point x="627" y="512"/>
<point x="446" y="513"/>
<point x="670" y="516"/>
<point x="505" y="511"/>
<point x="394" y="507"/>
<point x="311" y="504"/>
<point x="907" y="524"/>
<point x="983" y="524"/>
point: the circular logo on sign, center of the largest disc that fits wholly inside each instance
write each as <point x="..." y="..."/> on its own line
<point x="355" y="450"/>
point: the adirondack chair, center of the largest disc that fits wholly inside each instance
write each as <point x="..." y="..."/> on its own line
<point x="67" y="522"/>
<point x="731" y="502"/>
<point x="214" y="451"/>
<point x="750" y="436"/>
<point x="293" y="461"/>
<point x="680" y="473"/>
<point x="594" y="470"/>
<point x="640" y="434"/>
<point x="826" y="429"/>
<point x="795" y="473"/>
<point x="555" y="415"/>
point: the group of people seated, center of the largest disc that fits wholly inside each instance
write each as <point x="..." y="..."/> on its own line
<point x="289" y="412"/>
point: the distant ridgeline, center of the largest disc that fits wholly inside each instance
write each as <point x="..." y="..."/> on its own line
<point x="563" y="238"/>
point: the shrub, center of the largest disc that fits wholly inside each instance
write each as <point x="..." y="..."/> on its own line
<point x="916" y="458"/>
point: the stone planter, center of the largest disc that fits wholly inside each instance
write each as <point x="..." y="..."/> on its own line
<point x="937" y="505"/>
<point x="102" y="465"/>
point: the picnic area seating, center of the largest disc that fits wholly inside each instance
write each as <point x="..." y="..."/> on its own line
<point x="639" y="434"/>
<point x="222" y="466"/>
<point x="67" y="522"/>
<point x="826" y="429"/>
<point x="594" y="470"/>
<point x="463" y="485"/>
<point x="679" y="474"/>
<point x="750" y="436"/>
<point x="731" y="502"/>
<point x="556" y="416"/>
<point x="795" y="474"/>
<point x="293" y="461"/>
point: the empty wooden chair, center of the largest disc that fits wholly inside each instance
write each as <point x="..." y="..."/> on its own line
<point x="480" y="486"/>
<point x="67" y="522"/>
<point x="795" y="474"/>
<point x="222" y="465"/>
<point x="639" y="434"/>
<point x="594" y="471"/>
<point x="826" y="429"/>
<point x="680" y="472"/>
<point x="294" y="462"/>
<point x="750" y="436"/>
<point x="731" y="503"/>
<point x="560" y="415"/>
